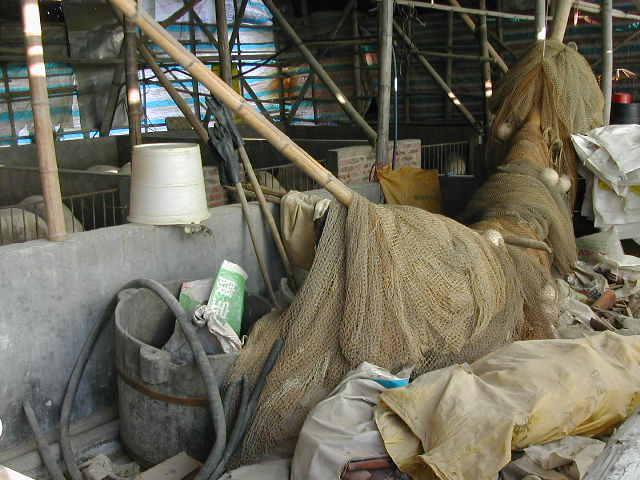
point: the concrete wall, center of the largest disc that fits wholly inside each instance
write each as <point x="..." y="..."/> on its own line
<point x="52" y="293"/>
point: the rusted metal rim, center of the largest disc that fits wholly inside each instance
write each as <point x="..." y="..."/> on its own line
<point x="162" y="397"/>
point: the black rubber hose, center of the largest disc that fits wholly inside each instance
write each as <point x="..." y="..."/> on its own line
<point x="245" y="416"/>
<point x="43" y="447"/>
<point x="208" y="377"/>
<point x="227" y="400"/>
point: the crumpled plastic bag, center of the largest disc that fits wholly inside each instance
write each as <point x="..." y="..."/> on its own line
<point x="566" y="459"/>
<point x="341" y="427"/>
<point x="462" y="422"/>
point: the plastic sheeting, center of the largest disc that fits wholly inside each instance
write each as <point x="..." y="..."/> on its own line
<point x="462" y="422"/>
<point x="341" y="428"/>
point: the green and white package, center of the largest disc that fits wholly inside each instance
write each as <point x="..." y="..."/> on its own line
<point x="227" y="297"/>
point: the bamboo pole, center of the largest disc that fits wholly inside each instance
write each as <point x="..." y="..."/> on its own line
<point x="317" y="67"/>
<point x="385" y="45"/>
<point x="134" y="110"/>
<point x="42" y="119"/>
<point x="448" y="77"/>
<point x="357" y="77"/>
<point x="434" y="74"/>
<point x="560" y="19"/>
<point x="223" y="41"/>
<point x="114" y="95"/>
<point x="237" y="21"/>
<point x="238" y="105"/>
<point x="607" y="57"/>
<point x="460" y="9"/>
<point x="472" y="26"/>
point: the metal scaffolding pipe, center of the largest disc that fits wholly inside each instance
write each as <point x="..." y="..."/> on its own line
<point x="487" y="86"/>
<point x="607" y="57"/>
<point x="541" y="20"/>
<point x="236" y="103"/>
<point x="385" y="45"/>
<point x="319" y="70"/>
<point x="223" y="41"/>
<point x="47" y="163"/>
<point x="472" y="26"/>
<point x="134" y="108"/>
<point x="434" y="74"/>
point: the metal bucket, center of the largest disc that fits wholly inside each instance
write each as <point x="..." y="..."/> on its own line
<point x="162" y="404"/>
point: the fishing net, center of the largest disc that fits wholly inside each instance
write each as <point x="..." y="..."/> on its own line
<point x="557" y="80"/>
<point x="398" y="286"/>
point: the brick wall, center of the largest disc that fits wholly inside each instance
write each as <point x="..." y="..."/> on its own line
<point x="216" y="194"/>
<point x="353" y="164"/>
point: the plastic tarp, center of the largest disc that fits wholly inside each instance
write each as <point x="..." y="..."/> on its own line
<point x="341" y="428"/>
<point x="462" y="422"/>
<point x="411" y="186"/>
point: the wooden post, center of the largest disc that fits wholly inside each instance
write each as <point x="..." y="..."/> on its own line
<point x="134" y="110"/>
<point x="541" y="20"/>
<point x="385" y="44"/>
<point x="607" y="57"/>
<point x="317" y="67"/>
<point x="42" y="119"/>
<point x="223" y="41"/>
<point x="486" y="68"/>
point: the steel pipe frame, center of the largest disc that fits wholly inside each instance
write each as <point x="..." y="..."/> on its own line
<point x="317" y="67"/>
<point x="309" y="81"/>
<point x="434" y="74"/>
<point x="385" y="47"/>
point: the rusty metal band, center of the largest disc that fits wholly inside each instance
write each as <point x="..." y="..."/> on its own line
<point x="162" y="397"/>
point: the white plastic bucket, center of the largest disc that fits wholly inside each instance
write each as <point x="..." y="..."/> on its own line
<point x="167" y="185"/>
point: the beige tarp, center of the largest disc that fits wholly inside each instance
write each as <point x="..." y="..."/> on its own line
<point x="461" y="422"/>
<point x="411" y="186"/>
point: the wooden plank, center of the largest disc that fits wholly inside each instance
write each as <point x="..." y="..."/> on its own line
<point x="174" y="468"/>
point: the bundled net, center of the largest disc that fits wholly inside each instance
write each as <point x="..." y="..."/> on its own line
<point x="556" y="80"/>
<point x="398" y="286"/>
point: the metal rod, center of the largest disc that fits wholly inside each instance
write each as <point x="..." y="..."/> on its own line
<point x="385" y="45"/>
<point x="266" y="213"/>
<point x="310" y="78"/>
<point x="472" y="26"/>
<point x="607" y="57"/>
<point x="560" y="19"/>
<point x="133" y="88"/>
<point x="448" y="77"/>
<point x="180" y="102"/>
<point x="237" y="21"/>
<point x="460" y="9"/>
<point x="261" y="262"/>
<point x="7" y="89"/>
<point x="434" y="74"/>
<point x="541" y="20"/>
<point x="50" y="183"/>
<point x="317" y="67"/>
<point x="114" y="95"/>
<point x="487" y="86"/>
<point x="223" y="41"/>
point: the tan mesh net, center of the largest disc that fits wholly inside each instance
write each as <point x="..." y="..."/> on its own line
<point x="559" y="81"/>
<point x="398" y="286"/>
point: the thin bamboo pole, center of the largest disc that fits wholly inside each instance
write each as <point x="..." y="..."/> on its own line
<point x="357" y="77"/>
<point x="134" y="111"/>
<point x="460" y="9"/>
<point x="434" y="74"/>
<point x="195" y="88"/>
<point x="541" y="20"/>
<point x="317" y="67"/>
<point x="472" y="26"/>
<point x="112" y="100"/>
<point x="42" y="119"/>
<point x="7" y="89"/>
<point x="385" y="45"/>
<point x="223" y="41"/>
<point x="407" y="78"/>
<point x="560" y="19"/>
<point x="448" y="77"/>
<point x="237" y="21"/>
<point x="607" y="57"/>
<point x="175" y="16"/>
<point x="238" y="105"/>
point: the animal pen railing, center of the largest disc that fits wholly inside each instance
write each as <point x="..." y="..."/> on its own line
<point x="451" y="158"/>
<point x="85" y="211"/>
